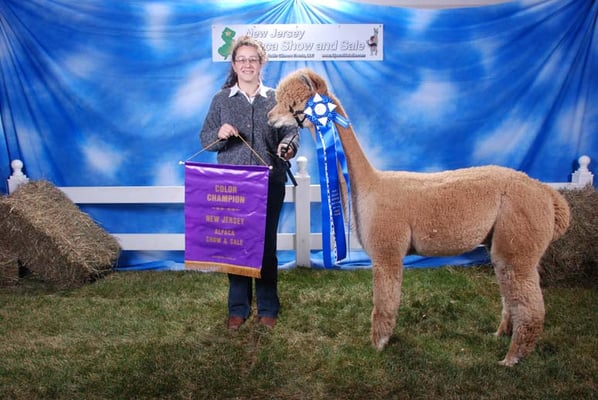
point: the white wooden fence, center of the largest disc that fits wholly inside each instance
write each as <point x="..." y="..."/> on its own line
<point x="305" y="193"/>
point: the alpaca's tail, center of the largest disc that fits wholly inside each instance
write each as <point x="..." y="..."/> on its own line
<point x="562" y="214"/>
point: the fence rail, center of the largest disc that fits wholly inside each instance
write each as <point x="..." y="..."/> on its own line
<point x="302" y="195"/>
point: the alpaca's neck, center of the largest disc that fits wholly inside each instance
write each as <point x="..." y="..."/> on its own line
<point x="360" y="169"/>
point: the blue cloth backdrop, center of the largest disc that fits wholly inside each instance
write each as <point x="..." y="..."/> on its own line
<point x="111" y="92"/>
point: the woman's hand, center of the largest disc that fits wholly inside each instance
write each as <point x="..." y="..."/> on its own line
<point x="226" y="131"/>
<point x="285" y="151"/>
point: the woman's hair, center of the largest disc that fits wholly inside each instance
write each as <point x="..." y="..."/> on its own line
<point x="231" y="79"/>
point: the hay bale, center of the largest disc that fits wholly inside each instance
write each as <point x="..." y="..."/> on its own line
<point x="44" y="231"/>
<point x="573" y="259"/>
<point x="9" y="268"/>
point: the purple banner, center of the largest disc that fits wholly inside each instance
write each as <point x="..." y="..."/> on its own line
<point x="225" y="217"/>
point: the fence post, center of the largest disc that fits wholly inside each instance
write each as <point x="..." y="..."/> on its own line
<point x="583" y="176"/>
<point x="302" y="214"/>
<point x="17" y="178"/>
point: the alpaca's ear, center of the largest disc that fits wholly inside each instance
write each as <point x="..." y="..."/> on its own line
<point x="307" y="82"/>
<point x="315" y="82"/>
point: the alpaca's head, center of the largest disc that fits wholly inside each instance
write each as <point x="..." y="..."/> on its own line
<point x="292" y="94"/>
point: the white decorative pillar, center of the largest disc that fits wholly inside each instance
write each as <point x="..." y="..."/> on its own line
<point x="583" y="176"/>
<point x="302" y="214"/>
<point x="17" y="178"/>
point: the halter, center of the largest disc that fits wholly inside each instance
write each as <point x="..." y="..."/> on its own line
<point x="296" y="115"/>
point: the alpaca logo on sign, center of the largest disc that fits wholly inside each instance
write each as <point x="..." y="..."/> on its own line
<point x="373" y="43"/>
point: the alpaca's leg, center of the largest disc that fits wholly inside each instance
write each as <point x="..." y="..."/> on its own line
<point x="387" y="297"/>
<point x="523" y="301"/>
<point x="506" y="324"/>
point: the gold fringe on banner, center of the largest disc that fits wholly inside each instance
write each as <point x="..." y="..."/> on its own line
<point x="222" y="267"/>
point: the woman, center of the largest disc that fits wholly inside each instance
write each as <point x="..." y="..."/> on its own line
<point x="240" y="109"/>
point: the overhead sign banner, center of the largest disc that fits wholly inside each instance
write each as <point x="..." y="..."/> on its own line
<point x="311" y="42"/>
<point x="225" y="217"/>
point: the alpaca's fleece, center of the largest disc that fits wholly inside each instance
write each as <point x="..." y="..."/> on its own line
<point x="443" y="213"/>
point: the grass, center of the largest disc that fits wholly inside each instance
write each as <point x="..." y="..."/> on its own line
<point x="161" y="335"/>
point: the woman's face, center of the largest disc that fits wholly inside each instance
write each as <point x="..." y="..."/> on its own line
<point x="247" y="64"/>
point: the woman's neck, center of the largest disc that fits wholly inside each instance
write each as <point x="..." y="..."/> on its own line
<point x="250" y="88"/>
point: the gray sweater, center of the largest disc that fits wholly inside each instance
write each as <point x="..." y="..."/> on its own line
<point x="251" y="120"/>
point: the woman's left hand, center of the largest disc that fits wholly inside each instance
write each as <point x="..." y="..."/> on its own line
<point x="285" y="151"/>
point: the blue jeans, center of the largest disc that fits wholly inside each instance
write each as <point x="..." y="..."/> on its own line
<point x="240" y="292"/>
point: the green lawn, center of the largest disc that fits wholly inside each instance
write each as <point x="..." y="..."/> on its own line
<point x="161" y="335"/>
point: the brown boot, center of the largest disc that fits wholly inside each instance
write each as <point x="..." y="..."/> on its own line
<point x="234" y="323"/>
<point x="268" y="322"/>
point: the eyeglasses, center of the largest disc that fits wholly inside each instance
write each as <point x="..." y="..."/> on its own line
<point x="250" y="60"/>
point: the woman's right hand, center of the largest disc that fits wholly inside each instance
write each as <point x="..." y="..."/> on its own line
<point x="226" y="131"/>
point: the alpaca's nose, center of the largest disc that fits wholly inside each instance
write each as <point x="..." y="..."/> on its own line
<point x="273" y="118"/>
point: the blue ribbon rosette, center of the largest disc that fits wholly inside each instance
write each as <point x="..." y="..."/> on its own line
<point x="321" y="112"/>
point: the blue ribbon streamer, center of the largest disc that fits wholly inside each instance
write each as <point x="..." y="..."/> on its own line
<point x="321" y="112"/>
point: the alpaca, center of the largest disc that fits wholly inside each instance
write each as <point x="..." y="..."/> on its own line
<point x="442" y="214"/>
